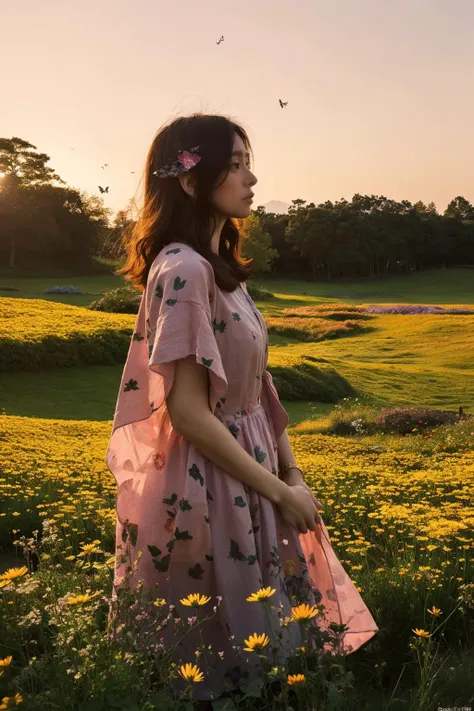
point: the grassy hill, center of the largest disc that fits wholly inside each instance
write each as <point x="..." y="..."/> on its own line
<point x="407" y="360"/>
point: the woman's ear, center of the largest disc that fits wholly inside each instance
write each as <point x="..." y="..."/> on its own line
<point x="187" y="183"/>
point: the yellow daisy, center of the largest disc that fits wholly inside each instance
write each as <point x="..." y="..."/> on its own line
<point x="262" y="594"/>
<point x="6" y="661"/>
<point x="435" y="611"/>
<point x="421" y="633"/>
<point x="296" y="679"/>
<point x="190" y="672"/>
<point x="89" y="548"/>
<point x="194" y="600"/>
<point x="13" y="573"/>
<point x="256" y="642"/>
<point x="79" y="599"/>
<point x="303" y="612"/>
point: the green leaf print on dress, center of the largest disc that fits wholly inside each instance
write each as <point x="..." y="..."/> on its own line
<point x="234" y="429"/>
<point x="235" y="552"/>
<point x="196" y="474"/>
<point x="196" y="572"/>
<point x="130" y="532"/>
<point x="219" y="326"/>
<point x="131" y="385"/>
<point x="183" y="535"/>
<point x="176" y="250"/>
<point x="221" y="402"/>
<point x="178" y="285"/>
<point x="239" y="501"/>
<point x="260" y="455"/>
<point x="161" y="564"/>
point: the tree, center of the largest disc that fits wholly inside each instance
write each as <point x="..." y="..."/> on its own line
<point x="258" y="244"/>
<point x="460" y="209"/>
<point x="38" y="216"/>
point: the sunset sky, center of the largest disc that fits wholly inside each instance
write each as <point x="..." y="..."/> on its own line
<point x="380" y="92"/>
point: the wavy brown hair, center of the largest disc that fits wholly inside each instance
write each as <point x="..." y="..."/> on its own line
<point x="169" y="214"/>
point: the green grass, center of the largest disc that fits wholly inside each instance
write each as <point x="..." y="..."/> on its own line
<point x="33" y="288"/>
<point x="90" y="394"/>
<point x="434" y="286"/>
<point x="417" y="360"/>
<point x="420" y="360"/>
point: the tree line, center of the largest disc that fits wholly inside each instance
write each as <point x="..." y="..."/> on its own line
<point x="44" y="221"/>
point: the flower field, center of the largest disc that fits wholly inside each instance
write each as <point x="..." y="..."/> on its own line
<point x="399" y="509"/>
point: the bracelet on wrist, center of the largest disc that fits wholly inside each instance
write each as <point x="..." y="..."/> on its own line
<point x="291" y="465"/>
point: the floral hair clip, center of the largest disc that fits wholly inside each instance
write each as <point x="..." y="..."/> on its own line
<point x="184" y="162"/>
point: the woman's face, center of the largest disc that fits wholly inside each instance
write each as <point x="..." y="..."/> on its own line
<point x="231" y="197"/>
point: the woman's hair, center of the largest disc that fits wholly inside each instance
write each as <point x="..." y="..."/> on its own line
<point x="169" y="214"/>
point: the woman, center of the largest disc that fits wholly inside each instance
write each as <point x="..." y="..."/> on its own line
<point x="210" y="499"/>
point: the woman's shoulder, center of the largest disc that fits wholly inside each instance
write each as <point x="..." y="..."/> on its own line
<point x="180" y="259"/>
<point x="179" y="251"/>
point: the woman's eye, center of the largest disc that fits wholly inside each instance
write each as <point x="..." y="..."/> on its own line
<point x="237" y="163"/>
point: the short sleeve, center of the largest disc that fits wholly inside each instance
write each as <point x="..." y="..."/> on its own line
<point x="181" y="294"/>
<point x="272" y="405"/>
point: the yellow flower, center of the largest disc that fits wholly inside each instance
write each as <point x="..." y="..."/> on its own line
<point x="303" y="612"/>
<point x="435" y="611"/>
<point x="421" y="633"/>
<point x="262" y="594"/>
<point x="8" y="702"/>
<point x="88" y="549"/>
<point x="79" y="599"/>
<point x="296" y="679"/>
<point x="256" y="642"/>
<point x="159" y="602"/>
<point x="194" y="600"/>
<point x="6" y="661"/>
<point x="190" y="672"/>
<point x="13" y="573"/>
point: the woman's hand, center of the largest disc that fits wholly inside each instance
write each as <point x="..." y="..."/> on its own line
<point x="294" y="478"/>
<point x="299" y="508"/>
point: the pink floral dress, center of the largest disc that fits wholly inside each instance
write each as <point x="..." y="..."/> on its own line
<point x="198" y="528"/>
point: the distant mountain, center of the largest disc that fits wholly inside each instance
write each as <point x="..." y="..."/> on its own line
<point x="276" y="206"/>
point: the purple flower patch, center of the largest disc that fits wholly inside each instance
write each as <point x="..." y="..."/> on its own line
<point x="416" y="309"/>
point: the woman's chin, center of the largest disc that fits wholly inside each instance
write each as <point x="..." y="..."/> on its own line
<point x="243" y="210"/>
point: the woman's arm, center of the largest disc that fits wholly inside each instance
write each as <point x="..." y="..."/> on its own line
<point x="285" y="456"/>
<point x="190" y="415"/>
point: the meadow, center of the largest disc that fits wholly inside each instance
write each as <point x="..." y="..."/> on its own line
<point x="398" y="507"/>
